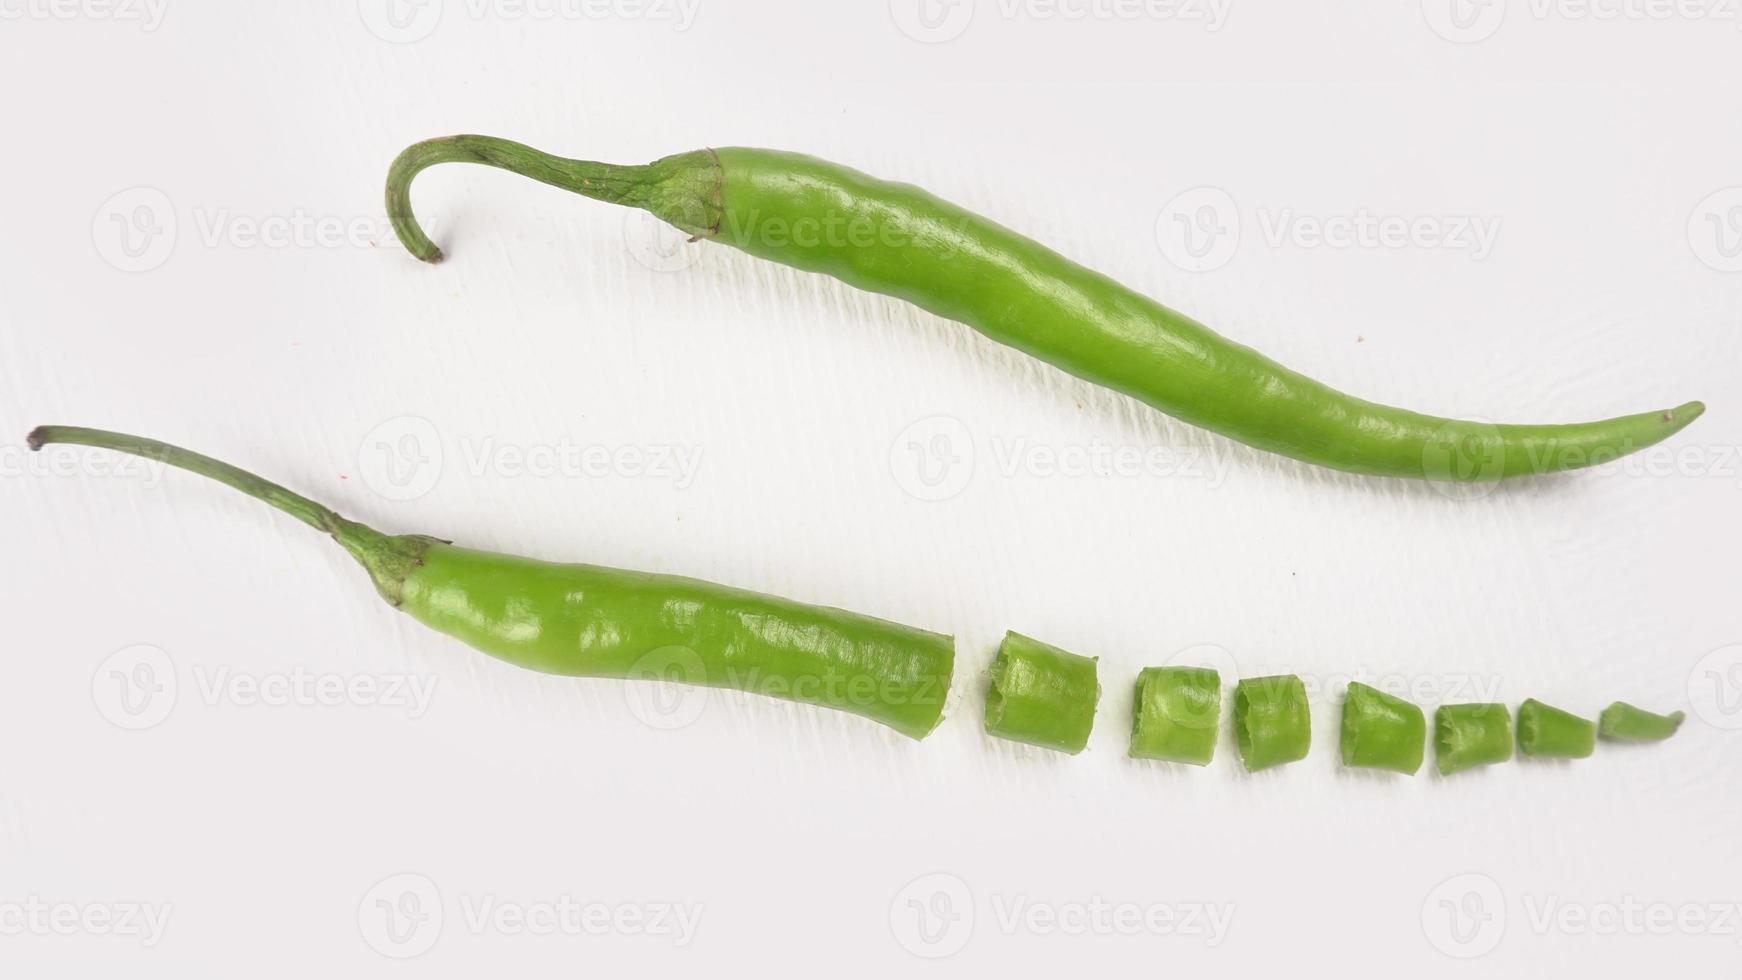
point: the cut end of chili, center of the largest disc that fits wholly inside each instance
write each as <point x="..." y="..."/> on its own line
<point x="1549" y="733"/>
<point x="1471" y="735"/>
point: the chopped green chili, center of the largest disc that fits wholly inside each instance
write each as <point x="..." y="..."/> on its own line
<point x="1550" y="733"/>
<point x="1176" y="714"/>
<point x="1271" y="721"/>
<point x="1041" y="695"/>
<point x="1622" y="722"/>
<point x="1471" y="735"/>
<point x="1381" y="731"/>
<point x="589" y="621"/>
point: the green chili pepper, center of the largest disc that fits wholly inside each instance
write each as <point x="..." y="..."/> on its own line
<point x="901" y="241"/>
<point x="1041" y="695"/>
<point x="1471" y="735"/>
<point x="1176" y="714"/>
<point x="583" y="620"/>
<point x="1381" y="731"/>
<point x="1271" y="722"/>
<point x="1622" y="722"/>
<point x="1550" y="733"/>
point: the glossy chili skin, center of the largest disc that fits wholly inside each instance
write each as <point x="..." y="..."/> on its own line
<point x="590" y="621"/>
<point x="902" y="241"/>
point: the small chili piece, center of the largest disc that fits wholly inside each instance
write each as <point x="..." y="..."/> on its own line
<point x="1176" y="714"/>
<point x="1549" y="733"/>
<point x="1041" y="695"/>
<point x="1381" y="731"/>
<point x="1622" y="722"/>
<point x="1272" y="723"/>
<point x="1471" y="735"/>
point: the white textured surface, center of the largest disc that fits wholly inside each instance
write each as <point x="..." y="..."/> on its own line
<point x="266" y="828"/>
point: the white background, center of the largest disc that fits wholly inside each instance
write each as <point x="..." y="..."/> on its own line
<point x="328" y="359"/>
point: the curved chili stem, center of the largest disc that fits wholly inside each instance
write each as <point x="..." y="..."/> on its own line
<point x="388" y="559"/>
<point x="667" y="188"/>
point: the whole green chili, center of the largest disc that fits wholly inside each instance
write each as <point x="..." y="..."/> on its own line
<point x="1272" y="724"/>
<point x="1381" y="731"/>
<point x="584" y="620"/>
<point x="901" y="241"/>
<point x="1622" y="722"/>
<point x="1176" y="713"/>
<point x="1471" y="735"/>
<point x="1550" y="733"/>
<point x="1041" y="695"/>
